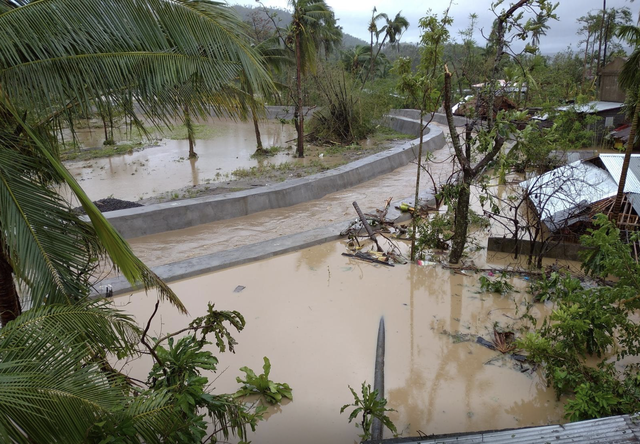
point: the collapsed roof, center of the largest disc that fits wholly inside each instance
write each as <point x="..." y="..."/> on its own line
<point x="566" y="195"/>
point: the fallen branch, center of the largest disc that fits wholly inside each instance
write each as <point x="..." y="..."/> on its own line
<point x="366" y="258"/>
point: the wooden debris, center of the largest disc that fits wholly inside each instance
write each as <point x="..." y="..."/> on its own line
<point x="367" y="258"/>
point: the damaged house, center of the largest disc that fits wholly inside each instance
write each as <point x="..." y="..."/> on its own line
<point x="567" y="198"/>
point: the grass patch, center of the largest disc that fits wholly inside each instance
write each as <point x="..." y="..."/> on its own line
<point x="179" y="132"/>
<point x="262" y="170"/>
<point x="341" y="149"/>
<point x="104" y="151"/>
<point x="268" y="152"/>
<point x="385" y="134"/>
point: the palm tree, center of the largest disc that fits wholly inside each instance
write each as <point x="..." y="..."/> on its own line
<point x="275" y="58"/>
<point x="392" y="31"/>
<point x="356" y="59"/>
<point x="305" y="36"/>
<point x="630" y="80"/>
<point x="540" y="28"/>
<point x="395" y="29"/>
<point x="59" y="59"/>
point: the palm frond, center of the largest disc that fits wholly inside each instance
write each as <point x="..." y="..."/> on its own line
<point x="52" y="252"/>
<point x="118" y="249"/>
<point x="50" y="52"/>
<point x="630" y="75"/>
<point x="50" y="390"/>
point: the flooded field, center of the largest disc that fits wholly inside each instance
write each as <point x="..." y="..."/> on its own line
<point x="315" y="314"/>
<point x="165" y="166"/>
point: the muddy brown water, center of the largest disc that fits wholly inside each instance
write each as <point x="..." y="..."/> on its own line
<point x="165" y="166"/>
<point x="208" y="238"/>
<point x="315" y="314"/>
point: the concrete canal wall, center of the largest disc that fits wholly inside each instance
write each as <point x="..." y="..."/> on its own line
<point x="176" y="215"/>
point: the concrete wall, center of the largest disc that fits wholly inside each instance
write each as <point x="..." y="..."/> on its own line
<point x="167" y="216"/>
<point x="286" y="112"/>
<point x="562" y="250"/>
<point x="414" y="114"/>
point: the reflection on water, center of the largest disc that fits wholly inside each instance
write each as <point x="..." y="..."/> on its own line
<point x="315" y="314"/>
<point x="165" y="166"/>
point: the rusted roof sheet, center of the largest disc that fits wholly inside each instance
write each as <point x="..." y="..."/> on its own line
<point x="613" y="430"/>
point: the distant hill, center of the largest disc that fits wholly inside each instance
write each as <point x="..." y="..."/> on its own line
<point x="282" y="18"/>
<point x="349" y="41"/>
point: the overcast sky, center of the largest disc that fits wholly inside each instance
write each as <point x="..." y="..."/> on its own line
<point x="354" y="16"/>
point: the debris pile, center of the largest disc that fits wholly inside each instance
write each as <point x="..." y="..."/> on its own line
<point x="380" y="233"/>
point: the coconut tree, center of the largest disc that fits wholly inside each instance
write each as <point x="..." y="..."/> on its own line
<point x="355" y="59"/>
<point x="630" y="80"/>
<point x="275" y="58"/>
<point x="305" y="34"/>
<point x="61" y="58"/>
<point x="392" y="31"/>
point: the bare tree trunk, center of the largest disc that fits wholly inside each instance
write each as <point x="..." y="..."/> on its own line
<point x="586" y="53"/>
<point x="9" y="301"/>
<point x="625" y="164"/>
<point x="461" y="223"/>
<point x="606" y="42"/>
<point x="415" y="201"/>
<point x="299" y="117"/>
<point x="604" y="11"/>
<point x="106" y="130"/>
<point x="256" y="128"/>
<point x="190" y="133"/>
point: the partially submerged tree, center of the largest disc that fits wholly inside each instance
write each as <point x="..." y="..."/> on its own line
<point x="304" y="36"/>
<point x="484" y="140"/>
<point x="424" y="86"/>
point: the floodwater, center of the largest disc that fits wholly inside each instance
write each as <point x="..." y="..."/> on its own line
<point x="315" y="314"/>
<point x="208" y="238"/>
<point x="166" y="167"/>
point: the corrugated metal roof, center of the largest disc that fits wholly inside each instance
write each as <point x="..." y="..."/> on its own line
<point x="616" y="429"/>
<point x="590" y="107"/>
<point x="561" y="194"/>
<point x="613" y="164"/>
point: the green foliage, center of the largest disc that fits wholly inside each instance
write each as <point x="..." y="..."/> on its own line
<point x="553" y="287"/>
<point x="272" y="392"/>
<point x="179" y="374"/>
<point x="262" y="170"/>
<point x="344" y="117"/>
<point x="575" y="129"/>
<point x="347" y="112"/>
<point x="212" y="322"/>
<point x="371" y="407"/>
<point x="59" y="386"/>
<point x="94" y="153"/>
<point x="608" y="255"/>
<point x="497" y="285"/>
<point x="592" y="322"/>
<point x="434" y="233"/>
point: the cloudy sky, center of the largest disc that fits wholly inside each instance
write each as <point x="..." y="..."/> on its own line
<point x="354" y="16"/>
